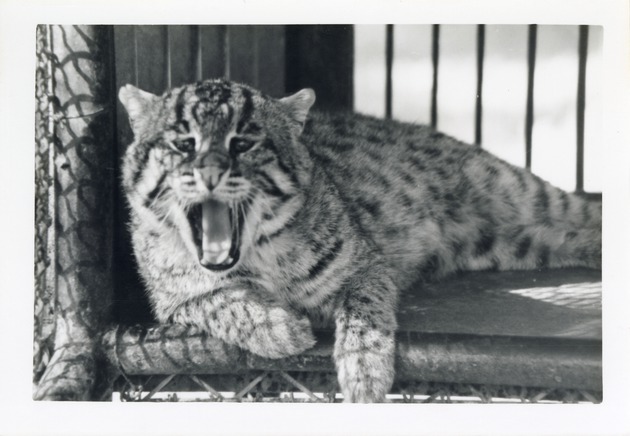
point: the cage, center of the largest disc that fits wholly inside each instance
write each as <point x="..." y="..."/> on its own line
<point x="521" y="336"/>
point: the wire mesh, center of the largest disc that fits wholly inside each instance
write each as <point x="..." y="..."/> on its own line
<point x="74" y="178"/>
<point x="44" y="205"/>
<point x="312" y="387"/>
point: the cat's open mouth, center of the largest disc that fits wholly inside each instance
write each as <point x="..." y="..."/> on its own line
<point x="216" y="229"/>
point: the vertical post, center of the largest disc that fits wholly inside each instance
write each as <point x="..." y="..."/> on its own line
<point x="195" y="37"/>
<point x="481" y="42"/>
<point x="435" y="58"/>
<point x="389" y="60"/>
<point x="529" y="116"/>
<point x="581" y="103"/>
<point x="84" y="170"/>
<point x="134" y="30"/>
<point x="224" y="31"/>
<point x="169" y="60"/>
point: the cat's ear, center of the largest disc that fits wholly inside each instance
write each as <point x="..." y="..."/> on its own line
<point x="299" y="104"/>
<point x="138" y="104"/>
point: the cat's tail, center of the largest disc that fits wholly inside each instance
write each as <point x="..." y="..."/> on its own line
<point x="565" y="230"/>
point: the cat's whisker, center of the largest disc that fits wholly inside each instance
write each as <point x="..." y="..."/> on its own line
<point x="170" y="208"/>
<point x="268" y="208"/>
<point x="157" y="197"/>
<point x="246" y="229"/>
<point x="265" y="204"/>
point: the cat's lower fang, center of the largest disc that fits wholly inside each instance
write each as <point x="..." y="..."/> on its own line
<point x="215" y="252"/>
<point x="214" y="257"/>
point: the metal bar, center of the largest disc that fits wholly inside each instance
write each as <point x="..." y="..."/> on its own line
<point x="251" y="385"/>
<point x="135" y="54"/>
<point x="451" y="358"/>
<point x="581" y="103"/>
<point x="590" y="397"/>
<point x="158" y="388"/>
<point x="196" y="49"/>
<point x="499" y="360"/>
<point x="167" y="49"/>
<point x="225" y="41"/>
<point x="435" y="58"/>
<point x="481" y="42"/>
<point x="529" y="116"/>
<point x="206" y="386"/>
<point x="326" y="383"/>
<point x="317" y="382"/>
<point x="299" y="385"/>
<point x="389" y="60"/>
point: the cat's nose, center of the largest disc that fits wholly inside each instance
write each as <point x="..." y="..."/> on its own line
<point x="211" y="176"/>
<point x="212" y="170"/>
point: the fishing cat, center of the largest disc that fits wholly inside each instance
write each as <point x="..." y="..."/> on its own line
<point x="256" y="220"/>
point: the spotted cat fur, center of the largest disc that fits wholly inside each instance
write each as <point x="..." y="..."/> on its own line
<point x="328" y="218"/>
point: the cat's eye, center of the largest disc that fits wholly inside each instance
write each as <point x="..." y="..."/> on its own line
<point x="240" y="145"/>
<point x="186" y="145"/>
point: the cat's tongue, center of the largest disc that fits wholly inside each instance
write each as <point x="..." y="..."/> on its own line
<point x="217" y="232"/>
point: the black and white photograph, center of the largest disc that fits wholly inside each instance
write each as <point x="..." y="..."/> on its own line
<point x="331" y="218"/>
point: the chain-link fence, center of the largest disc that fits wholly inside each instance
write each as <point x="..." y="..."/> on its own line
<point x="44" y="206"/>
<point x="74" y="207"/>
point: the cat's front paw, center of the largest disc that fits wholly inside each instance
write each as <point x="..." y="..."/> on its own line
<point x="365" y="364"/>
<point x="281" y="334"/>
<point x="365" y="377"/>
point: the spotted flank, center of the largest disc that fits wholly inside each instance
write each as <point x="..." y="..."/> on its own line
<point x="257" y="219"/>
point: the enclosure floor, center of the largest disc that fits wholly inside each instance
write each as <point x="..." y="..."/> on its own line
<point x="562" y="303"/>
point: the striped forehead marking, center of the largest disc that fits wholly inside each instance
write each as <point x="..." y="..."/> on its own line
<point x="246" y="111"/>
<point x="216" y="108"/>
